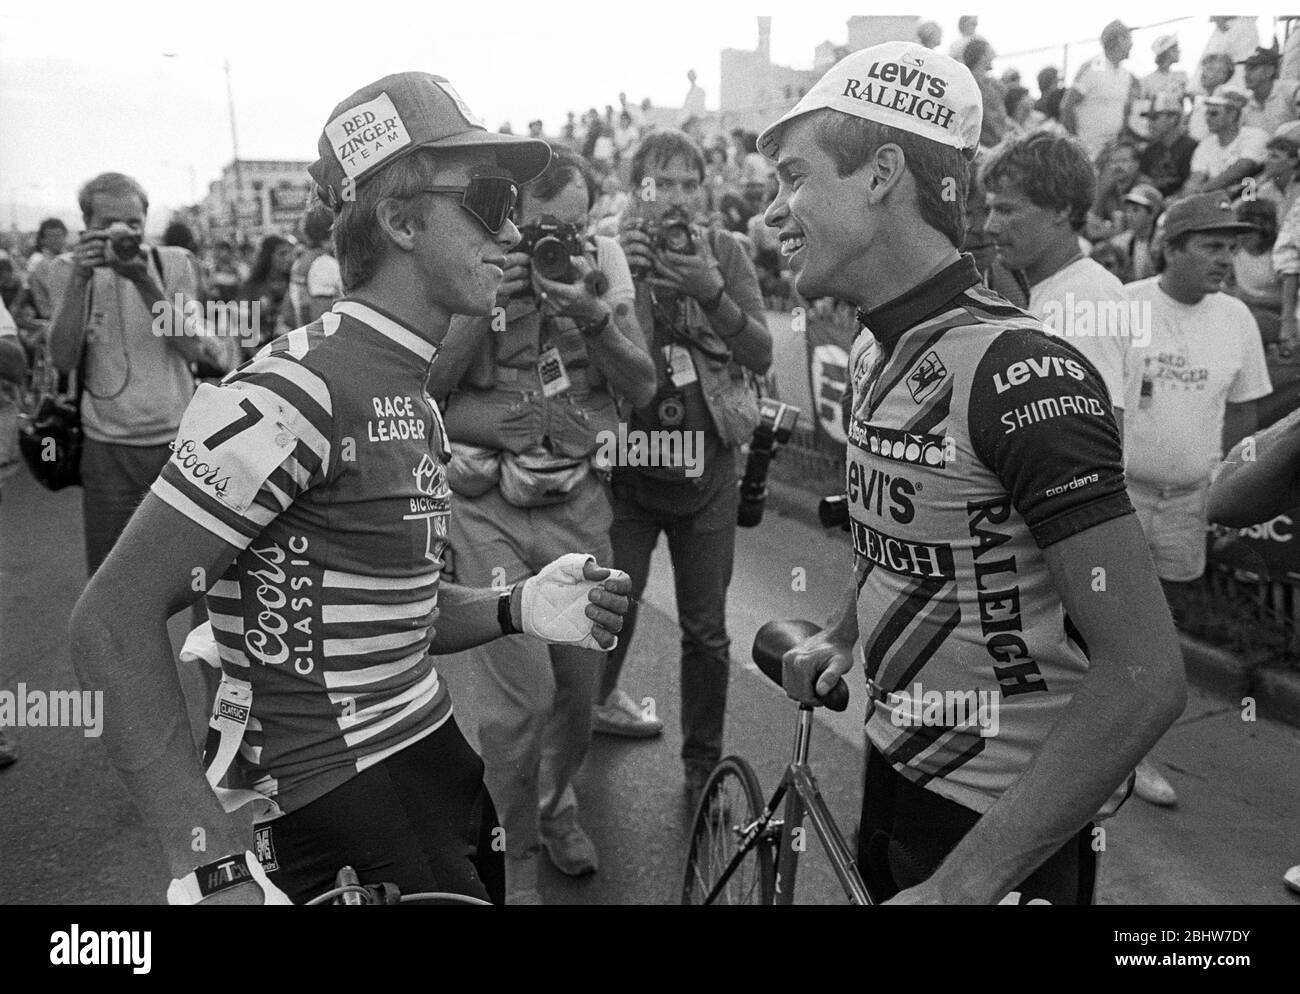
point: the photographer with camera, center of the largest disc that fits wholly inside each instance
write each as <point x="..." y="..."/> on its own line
<point x="137" y="378"/>
<point x="532" y="388"/>
<point x="698" y="291"/>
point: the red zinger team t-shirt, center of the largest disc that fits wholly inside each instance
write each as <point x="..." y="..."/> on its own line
<point x="976" y="441"/>
<point x="322" y="460"/>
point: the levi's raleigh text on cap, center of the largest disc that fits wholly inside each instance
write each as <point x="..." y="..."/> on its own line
<point x="901" y="84"/>
<point x="398" y="114"/>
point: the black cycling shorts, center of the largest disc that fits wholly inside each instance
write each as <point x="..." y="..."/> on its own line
<point x="906" y="832"/>
<point x="421" y="819"/>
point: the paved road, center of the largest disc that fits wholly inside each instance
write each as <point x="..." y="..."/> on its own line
<point x="68" y="834"/>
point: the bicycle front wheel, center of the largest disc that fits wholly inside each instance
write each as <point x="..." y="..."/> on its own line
<point x="729" y="805"/>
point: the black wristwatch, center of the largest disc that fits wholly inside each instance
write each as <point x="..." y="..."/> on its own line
<point x="504" y="618"/>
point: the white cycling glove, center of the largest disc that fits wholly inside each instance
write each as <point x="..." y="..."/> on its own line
<point x="554" y="606"/>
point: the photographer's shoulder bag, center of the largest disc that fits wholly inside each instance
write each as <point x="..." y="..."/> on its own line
<point x="50" y="439"/>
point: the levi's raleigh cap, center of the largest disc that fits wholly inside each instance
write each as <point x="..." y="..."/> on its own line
<point x="398" y="114"/>
<point x="901" y="84"/>
<point x="1203" y="212"/>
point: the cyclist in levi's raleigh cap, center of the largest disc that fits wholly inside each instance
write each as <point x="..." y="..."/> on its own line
<point x="997" y="557"/>
<point x="307" y="496"/>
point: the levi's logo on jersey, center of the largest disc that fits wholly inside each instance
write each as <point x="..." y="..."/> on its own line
<point x="869" y="487"/>
<point x="1027" y="369"/>
<point x="926" y="377"/>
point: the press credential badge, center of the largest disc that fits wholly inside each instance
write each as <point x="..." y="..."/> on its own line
<point x="681" y="368"/>
<point x="550" y="367"/>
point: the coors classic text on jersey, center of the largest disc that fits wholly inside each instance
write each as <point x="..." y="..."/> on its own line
<point x="322" y="460"/>
<point x="976" y="441"/>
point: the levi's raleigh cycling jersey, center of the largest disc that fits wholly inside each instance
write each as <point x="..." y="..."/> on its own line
<point x="976" y="441"/>
<point x="322" y="460"/>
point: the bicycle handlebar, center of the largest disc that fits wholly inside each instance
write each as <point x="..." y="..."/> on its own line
<point x="775" y="639"/>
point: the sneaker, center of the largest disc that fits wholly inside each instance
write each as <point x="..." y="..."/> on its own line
<point x="620" y="715"/>
<point x="8" y="751"/>
<point x="1292" y="878"/>
<point x="569" y="847"/>
<point x="1152" y="787"/>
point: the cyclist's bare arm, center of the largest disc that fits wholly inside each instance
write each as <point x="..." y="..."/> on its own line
<point x="120" y="645"/>
<point x="1133" y="692"/>
<point x="812" y="668"/>
<point x="1260" y="478"/>
<point x="467" y="617"/>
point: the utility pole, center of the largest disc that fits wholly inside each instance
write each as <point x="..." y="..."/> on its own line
<point x="234" y="141"/>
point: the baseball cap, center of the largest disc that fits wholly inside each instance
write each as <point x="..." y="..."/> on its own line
<point x="394" y="116"/>
<point x="1164" y="43"/>
<point x="1228" y="96"/>
<point x="1146" y="195"/>
<point x="1164" y="103"/>
<point x="1203" y="212"/>
<point x="901" y="84"/>
<point x="1261" y="57"/>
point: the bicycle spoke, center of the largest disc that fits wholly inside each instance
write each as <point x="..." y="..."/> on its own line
<point x="721" y="868"/>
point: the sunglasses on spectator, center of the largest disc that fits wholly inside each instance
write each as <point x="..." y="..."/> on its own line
<point x="490" y="199"/>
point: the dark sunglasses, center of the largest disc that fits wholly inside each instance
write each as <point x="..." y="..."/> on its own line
<point x="491" y="199"/>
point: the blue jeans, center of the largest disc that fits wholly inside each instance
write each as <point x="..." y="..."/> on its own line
<point x="702" y="547"/>
<point x="115" y="479"/>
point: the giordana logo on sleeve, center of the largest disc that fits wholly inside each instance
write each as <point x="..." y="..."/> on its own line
<point x="367" y="134"/>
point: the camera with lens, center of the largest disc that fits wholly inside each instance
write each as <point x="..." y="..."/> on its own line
<point x="776" y="422"/>
<point x="550" y="243"/>
<point x="833" y="512"/>
<point x="671" y="233"/>
<point x="122" y="243"/>
<point x="670" y="406"/>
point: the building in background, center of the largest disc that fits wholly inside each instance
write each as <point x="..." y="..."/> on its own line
<point x="253" y="198"/>
<point x="755" y="91"/>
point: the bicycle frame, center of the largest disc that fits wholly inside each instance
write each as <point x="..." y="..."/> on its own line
<point x="798" y="787"/>
<point x="806" y="799"/>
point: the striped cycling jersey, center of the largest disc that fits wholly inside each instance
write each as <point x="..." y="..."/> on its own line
<point x="976" y="441"/>
<point x="322" y="460"/>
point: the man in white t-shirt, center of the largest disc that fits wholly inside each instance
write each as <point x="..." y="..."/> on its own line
<point x="1039" y="188"/>
<point x="1192" y="389"/>
<point x="1096" y="107"/>
<point x="1191" y="395"/>
<point x="1272" y="100"/>
<point x="1231" y="151"/>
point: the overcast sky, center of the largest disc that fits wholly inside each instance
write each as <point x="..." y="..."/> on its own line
<point x="86" y="87"/>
